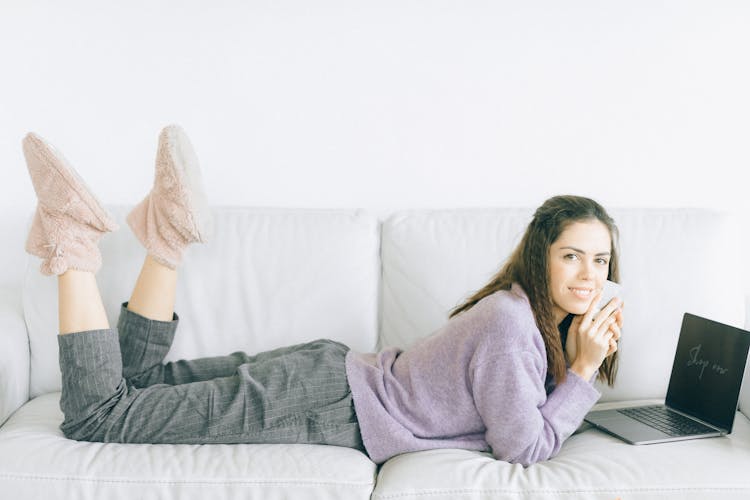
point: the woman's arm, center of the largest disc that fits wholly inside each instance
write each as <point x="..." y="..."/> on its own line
<point x="524" y="425"/>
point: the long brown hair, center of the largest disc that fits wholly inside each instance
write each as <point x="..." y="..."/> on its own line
<point x="528" y="266"/>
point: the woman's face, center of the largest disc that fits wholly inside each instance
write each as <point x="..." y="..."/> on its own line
<point x="578" y="266"/>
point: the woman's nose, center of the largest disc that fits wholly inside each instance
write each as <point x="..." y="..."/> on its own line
<point x="587" y="271"/>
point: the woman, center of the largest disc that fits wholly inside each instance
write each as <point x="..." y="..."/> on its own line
<point x="511" y="371"/>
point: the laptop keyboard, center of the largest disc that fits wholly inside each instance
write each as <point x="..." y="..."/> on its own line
<point x="667" y="421"/>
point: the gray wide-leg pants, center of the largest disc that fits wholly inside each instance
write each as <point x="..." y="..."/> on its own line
<point x="118" y="389"/>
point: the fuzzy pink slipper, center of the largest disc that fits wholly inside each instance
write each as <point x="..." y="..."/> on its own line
<point x="175" y="213"/>
<point x="69" y="220"/>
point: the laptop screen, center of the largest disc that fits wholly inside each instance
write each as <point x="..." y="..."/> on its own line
<point x="707" y="371"/>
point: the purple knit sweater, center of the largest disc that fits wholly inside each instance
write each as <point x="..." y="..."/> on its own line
<point x="477" y="383"/>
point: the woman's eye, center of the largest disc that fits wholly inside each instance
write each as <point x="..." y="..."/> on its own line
<point x="571" y="256"/>
<point x="603" y="261"/>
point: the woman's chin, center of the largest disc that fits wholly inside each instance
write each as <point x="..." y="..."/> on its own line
<point x="578" y="311"/>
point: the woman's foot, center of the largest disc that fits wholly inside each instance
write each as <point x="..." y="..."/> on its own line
<point x="175" y="213"/>
<point x="69" y="220"/>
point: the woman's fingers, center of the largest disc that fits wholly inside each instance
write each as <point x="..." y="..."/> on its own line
<point x="609" y="333"/>
<point x="598" y="333"/>
<point x="607" y="313"/>
<point x="602" y="325"/>
<point x="613" y="338"/>
<point x="598" y="339"/>
<point x="615" y="329"/>
<point x="588" y="316"/>
<point x="619" y="316"/>
<point x="612" y="347"/>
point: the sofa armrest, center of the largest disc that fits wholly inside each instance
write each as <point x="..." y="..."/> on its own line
<point x="14" y="354"/>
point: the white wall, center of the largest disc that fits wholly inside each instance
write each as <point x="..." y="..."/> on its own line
<point x="385" y="104"/>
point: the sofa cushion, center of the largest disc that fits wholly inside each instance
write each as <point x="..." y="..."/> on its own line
<point x="267" y="278"/>
<point x="35" y="459"/>
<point x="591" y="465"/>
<point x="672" y="261"/>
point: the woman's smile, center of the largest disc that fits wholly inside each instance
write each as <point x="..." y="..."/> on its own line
<point x="582" y="293"/>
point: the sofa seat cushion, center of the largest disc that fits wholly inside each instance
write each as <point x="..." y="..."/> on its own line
<point x="37" y="461"/>
<point x="591" y="465"/>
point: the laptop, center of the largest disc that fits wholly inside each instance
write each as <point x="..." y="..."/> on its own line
<point x="703" y="389"/>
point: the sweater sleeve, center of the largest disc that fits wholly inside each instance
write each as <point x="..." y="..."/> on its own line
<point x="524" y="425"/>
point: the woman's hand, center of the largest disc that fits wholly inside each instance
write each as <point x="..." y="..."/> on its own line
<point x="571" y="344"/>
<point x="593" y="336"/>
<point x="571" y="341"/>
<point x="615" y="328"/>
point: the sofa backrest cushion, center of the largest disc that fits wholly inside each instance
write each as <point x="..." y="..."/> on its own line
<point x="267" y="278"/>
<point x="672" y="261"/>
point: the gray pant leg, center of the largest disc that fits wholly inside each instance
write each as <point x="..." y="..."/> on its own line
<point x="297" y="396"/>
<point x="145" y="342"/>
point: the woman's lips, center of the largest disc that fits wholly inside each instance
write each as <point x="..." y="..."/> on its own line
<point x="582" y="293"/>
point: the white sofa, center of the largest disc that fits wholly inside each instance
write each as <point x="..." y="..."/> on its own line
<point x="274" y="277"/>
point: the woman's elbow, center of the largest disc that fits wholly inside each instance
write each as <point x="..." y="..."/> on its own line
<point x="544" y="447"/>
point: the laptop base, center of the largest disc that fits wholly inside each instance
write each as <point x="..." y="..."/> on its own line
<point x="634" y="432"/>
